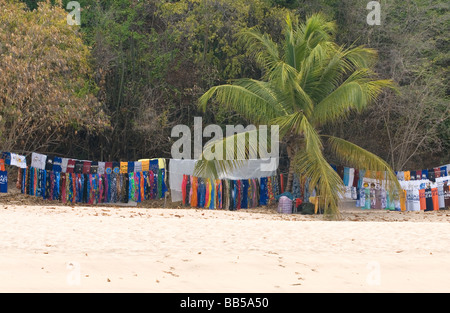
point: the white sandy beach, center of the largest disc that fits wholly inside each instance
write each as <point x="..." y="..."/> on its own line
<point x="110" y="249"/>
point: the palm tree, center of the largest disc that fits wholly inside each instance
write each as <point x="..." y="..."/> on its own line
<point x="307" y="82"/>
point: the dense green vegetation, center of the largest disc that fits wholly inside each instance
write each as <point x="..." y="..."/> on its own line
<point x="148" y="63"/>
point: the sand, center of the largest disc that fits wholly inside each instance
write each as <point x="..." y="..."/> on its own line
<point x="50" y="248"/>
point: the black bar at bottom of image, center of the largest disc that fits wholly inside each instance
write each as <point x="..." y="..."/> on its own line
<point x="227" y="302"/>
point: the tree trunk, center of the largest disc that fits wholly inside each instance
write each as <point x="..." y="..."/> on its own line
<point x="290" y="178"/>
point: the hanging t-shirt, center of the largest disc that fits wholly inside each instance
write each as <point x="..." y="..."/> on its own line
<point x="94" y="167"/>
<point x="7" y="157"/>
<point x="123" y="167"/>
<point x="419" y="175"/>
<point x="428" y="200"/>
<point x="367" y="194"/>
<point x="435" y="197"/>
<point x="413" y="175"/>
<point x="423" y="204"/>
<point x="18" y="160"/>
<point x="437" y="172"/>
<point x="130" y="167"/>
<point x="351" y="177"/>
<point x="378" y="200"/>
<point x="49" y="163"/>
<point x="108" y="167"/>
<point x="64" y="162"/>
<point x="416" y="200"/>
<point x="431" y="175"/>
<point x="3" y="181"/>
<point x="2" y="165"/>
<point x="355" y="178"/>
<point x="194" y="195"/>
<point x="101" y="168"/>
<point x="362" y="197"/>
<point x="425" y="174"/>
<point x="403" y="200"/>
<point x="78" y="169"/>
<point x="86" y="167"/>
<point x="138" y="166"/>
<point x="57" y="162"/>
<point x="446" y="194"/>
<point x="444" y="171"/>
<point x="71" y="166"/>
<point x="116" y="167"/>
<point x="407" y="175"/>
<point x="145" y="165"/>
<point x="154" y="166"/>
<point x="340" y="171"/>
<point x="346" y="175"/>
<point x="38" y="160"/>
<point x="201" y="193"/>
<point x="440" y="187"/>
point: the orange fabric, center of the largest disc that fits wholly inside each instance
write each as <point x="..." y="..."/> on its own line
<point x="142" y="187"/>
<point x="145" y="165"/>
<point x="2" y="165"/>
<point x="423" y="203"/>
<point x="435" y="197"/>
<point x="194" y="186"/>
<point x="403" y="200"/>
<point x="123" y="167"/>
<point x="407" y="175"/>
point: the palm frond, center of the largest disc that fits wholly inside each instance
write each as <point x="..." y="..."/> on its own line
<point x="294" y="97"/>
<point x="360" y="158"/>
<point x="290" y="123"/>
<point x="361" y="57"/>
<point x="236" y="149"/>
<point x="356" y="93"/>
<point x="254" y="100"/>
<point x="311" y="163"/>
<point x="260" y="46"/>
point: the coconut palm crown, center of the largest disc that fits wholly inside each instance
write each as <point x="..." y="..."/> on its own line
<point x="308" y="81"/>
